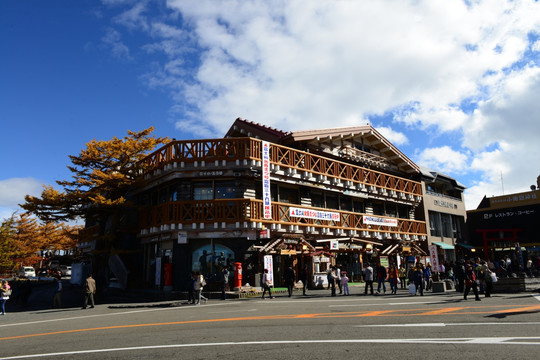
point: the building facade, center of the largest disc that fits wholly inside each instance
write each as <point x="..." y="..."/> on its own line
<point x="445" y="213"/>
<point x="261" y="197"/>
<point x="507" y="226"/>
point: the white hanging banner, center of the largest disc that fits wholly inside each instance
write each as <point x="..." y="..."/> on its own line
<point x="268" y="264"/>
<point x="374" y="220"/>
<point x="267" y="200"/>
<point x="434" y="258"/>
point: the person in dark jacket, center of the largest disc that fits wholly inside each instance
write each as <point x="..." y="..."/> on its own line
<point x="381" y="278"/>
<point x="470" y="282"/>
<point x="290" y="278"/>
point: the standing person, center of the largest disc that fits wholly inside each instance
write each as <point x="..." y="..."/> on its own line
<point x="303" y="277"/>
<point x="266" y="284"/>
<point x="470" y="282"/>
<point x="89" y="291"/>
<point x="419" y="278"/>
<point x="332" y="280"/>
<point x="344" y="283"/>
<point x="57" y="300"/>
<point x="427" y="277"/>
<point x="5" y="292"/>
<point x="337" y="277"/>
<point x="198" y="286"/>
<point x="381" y="278"/>
<point x="191" y="289"/>
<point x="224" y="280"/>
<point x="368" y="277"/>
<point x="290" y="278"/>
<point x="203" y="262"/>
<point x="402" y="273"/>
<point x="393" y="278"/>
<point x="460" y="276"/>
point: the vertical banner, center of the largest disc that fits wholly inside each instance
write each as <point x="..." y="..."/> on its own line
<point x="268" y="264"/>
<point x="158" y="272"/>
<point x="434" y="258"/>
<point x="267" y="206"/>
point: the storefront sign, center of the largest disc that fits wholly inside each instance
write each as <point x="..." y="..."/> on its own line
<point x="288" y="252"/>
<point x="268" y="264"/>
<point x="313" y="214"/>
<point x="334" y="245"/>
<point x="384" y="261"/>
<point x="264" y="234"/>
<point x="374" y="220"/>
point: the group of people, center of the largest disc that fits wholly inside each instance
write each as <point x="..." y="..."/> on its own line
<point x="336" y="276"/>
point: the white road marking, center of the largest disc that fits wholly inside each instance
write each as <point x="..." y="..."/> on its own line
<point x="450" y="324"/>
<point x="533" y="340"/>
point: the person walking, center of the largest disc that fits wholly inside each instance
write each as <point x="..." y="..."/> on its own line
<point x="198" y="287"/>
<point x="470" y="282"/>
<point x="332" y="280"/>
<point x="344" y="283"/>
<point x="368" y="278"/>
<point x="89" y="291"/>
<point x="402" y="273"/>
<point x="419" y="278"/>
<point x="191" y="288"/>
<point x="5" y="292"/>
<point x="381" y="278"/>
<point x="290" y="278"/>
<point x="57" y="300"/>
<point x="224" y="281"/>
<point x="337" y="277"/>
<point x="303" y="277"/>
<point x="393" y="278"/>
<point x="266" y="284"/>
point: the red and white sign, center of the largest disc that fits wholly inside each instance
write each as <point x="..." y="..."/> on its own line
<point x="313" y="214"/>
<point x="375" y="220"/>
<point x="434" y="257"/>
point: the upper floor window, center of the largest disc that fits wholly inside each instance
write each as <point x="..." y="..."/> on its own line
<point x="225" y="190"/>
<point x="203" y="191"/>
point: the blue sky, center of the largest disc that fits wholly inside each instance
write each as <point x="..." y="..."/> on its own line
<point x="453" y="84"/>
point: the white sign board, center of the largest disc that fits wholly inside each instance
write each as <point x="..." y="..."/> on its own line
<point x="268" y="264"/>
<point x="434" y="257"/>
<point x="267" y="200"/>
<point x="374" y="220"/>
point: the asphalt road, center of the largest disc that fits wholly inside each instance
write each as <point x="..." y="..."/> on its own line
<point x="435" y="326"/>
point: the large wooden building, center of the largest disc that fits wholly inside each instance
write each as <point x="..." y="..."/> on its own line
<point x="264" y="197"/>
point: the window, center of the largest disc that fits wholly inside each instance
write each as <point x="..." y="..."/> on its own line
<point x="378" y="208"/>
<point x="446" y="225"/>
<point x="288" y="195"/>
<point x="403" y="212"/>
<point x="358" y="206"/>
<point x="434" y="224"/>
<point x="203" y="191"/>
<point x="225" y="190"/>
<point x="345" y="203"/>
<point x="181" y="192"/>
<point x="332" y="202"/>
<point x="317" y="199"/>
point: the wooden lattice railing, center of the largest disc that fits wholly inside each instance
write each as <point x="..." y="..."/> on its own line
<point x="189" y="151"/>
<point x="232" y="211"/>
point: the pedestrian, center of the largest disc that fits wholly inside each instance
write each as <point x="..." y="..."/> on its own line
<point x="290" y="278"/>
<point x="224" y="280"/>
<point x="191" y="288"/>
<point x="419" y="278"/>
<point x="332" y="280"/>
<point x="337" y="277"/>
<point x="428" y="277"/>
<point x="470" y="282"/>
<point x="344" y="283"/>
<point x="402" y="273"/>
<point x="5" y="293"/>
<point x="303" y="277"/>
<point x="57" y="300"/>
<point x="393" y="278"/>
<point x="381" y="278"/>
<point x="198" y="286"/>
<point x="266" y="284"/>
<point x="89" y="291"/>
<point x="368" y="277"/>
<point x="488" y="279"/>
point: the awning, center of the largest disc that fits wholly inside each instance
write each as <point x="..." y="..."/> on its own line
<point x="443" y="245"/>
<point x="466" y="246"/>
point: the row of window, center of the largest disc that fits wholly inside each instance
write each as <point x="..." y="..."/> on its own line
<point x="234" y="189"/>
<point x="445" y="225"/>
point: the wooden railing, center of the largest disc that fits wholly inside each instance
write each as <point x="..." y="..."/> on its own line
<point x="189" y="151"/>
<point x="231" y="211"/>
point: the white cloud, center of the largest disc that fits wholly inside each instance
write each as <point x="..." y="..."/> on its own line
<point x="447" y="68"/>
<point x="443" y="159"/>
<point x="395" y="137"/>
<point x="12" y="192"/>
<point x="113" y="40"/>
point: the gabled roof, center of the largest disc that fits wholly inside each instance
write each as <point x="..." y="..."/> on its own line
<point x="241" y="128"/>
<point x="433" y="175"/>
<point x="352" y="140"/>
<point x="363" y="144"/>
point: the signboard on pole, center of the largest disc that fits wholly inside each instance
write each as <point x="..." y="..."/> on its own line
<point x="268" y="264"/>
<point x="434" y="258"/>
<point x="334" y="245"/>
<point x="267" y="200"/>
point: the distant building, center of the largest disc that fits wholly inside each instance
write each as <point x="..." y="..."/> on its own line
<point x="444" y="211"/>
<point x="507" y="226"/>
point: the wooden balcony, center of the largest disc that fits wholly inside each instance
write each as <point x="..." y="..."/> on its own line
<point x="231" y="149"/>
<point x="232" y="211"/>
